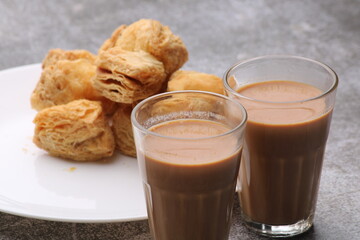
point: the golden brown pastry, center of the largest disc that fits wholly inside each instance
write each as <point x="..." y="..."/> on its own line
<point x="109" y="43"/>
<point x="125" y="76"/>
<point x="67" y="76"/>
<point x="77" y="130"/>
<point x="121" y="125"/>
<point x="182" y="103"/>
<point x="152" y="37"/>
<point x="192" y="80"/>
<point x="54" y="55"/>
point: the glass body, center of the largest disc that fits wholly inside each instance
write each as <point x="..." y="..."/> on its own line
<point x="284" y="141"/>
<point x="189" y="175"/>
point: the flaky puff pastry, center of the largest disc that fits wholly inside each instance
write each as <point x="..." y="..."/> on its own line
<point x="126" y="77"/>
<point x="56" y="54"/>
<point x="67" y="75"/>
<point x="78" y="131"/>
<point x="151" y="36"/>
<point x="122" y="128"/>
<point x="192" y="80"/>
<point x="181" y="103"/>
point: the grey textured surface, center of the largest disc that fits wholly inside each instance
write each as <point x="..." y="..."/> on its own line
<point x="217" y="34"/>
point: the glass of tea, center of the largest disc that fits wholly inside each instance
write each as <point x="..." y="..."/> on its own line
<point x="189" y="147"/>
<point x="289" y="101"/>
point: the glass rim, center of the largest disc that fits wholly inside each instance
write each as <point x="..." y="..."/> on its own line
<point x="136" y="124"/>
<point x="331" y="89"/>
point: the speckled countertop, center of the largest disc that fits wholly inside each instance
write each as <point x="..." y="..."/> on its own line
<point x="217" y="34"/>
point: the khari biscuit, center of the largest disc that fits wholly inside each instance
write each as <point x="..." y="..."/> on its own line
<point x="192" y="80"/>
<point x="152" y="37"/>
<point x="182" y="103"/>
<point x="121" y="125"/>
<point x="77" y="130"/>
<point x="54" y="55"/>
<point x="126" y="77"/>
<point x="67" y="76"/>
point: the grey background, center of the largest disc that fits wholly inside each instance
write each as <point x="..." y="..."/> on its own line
<point x="217" y="35"/>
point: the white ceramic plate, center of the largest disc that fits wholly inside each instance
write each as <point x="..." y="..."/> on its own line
<point x="34" y="184"/>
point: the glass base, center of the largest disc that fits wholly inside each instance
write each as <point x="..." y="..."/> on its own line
<point x="279" y="231"/>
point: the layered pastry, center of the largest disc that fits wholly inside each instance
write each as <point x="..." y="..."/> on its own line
<point x="192" y="80"/>
<point x="126" y="76"/>
<point x="122" y="128"/>
<point x="67" y="75"/>
<point x="150" y="36"/>
<point x="78" y="131"/>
